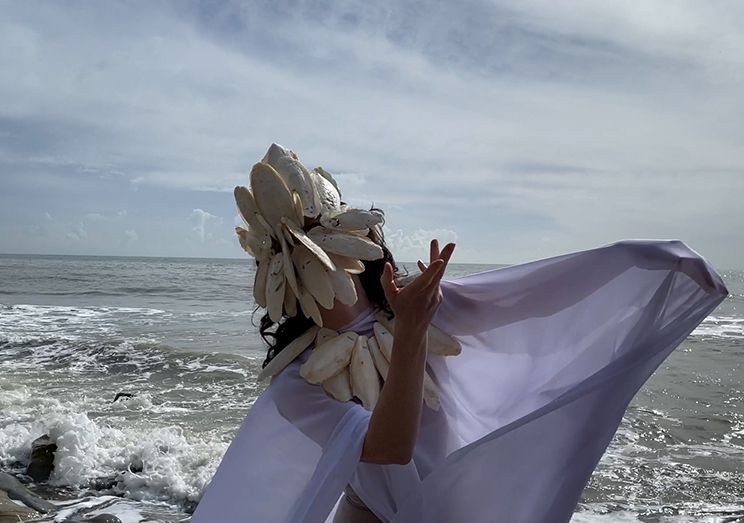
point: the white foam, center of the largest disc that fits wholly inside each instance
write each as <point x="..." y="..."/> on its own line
<point x="176" y="466"/>
<point x="721" y="327"/>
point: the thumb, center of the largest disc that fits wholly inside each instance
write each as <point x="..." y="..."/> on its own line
<point x="388" y="284"/>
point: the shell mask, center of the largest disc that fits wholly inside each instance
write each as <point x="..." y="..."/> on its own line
<point x="308" y="244"/>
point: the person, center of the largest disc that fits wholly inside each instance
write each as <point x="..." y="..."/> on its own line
<point x="553" y="351"/>
<point x="394" y="423"/>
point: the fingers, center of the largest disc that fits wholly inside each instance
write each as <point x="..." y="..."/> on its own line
<point x="388" y="283"/>
<point x="421" y="265"/>
<point x="446" y="253"/>
<point x="433" y="250"/>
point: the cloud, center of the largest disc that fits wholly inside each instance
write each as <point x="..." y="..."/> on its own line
<point x="529" y="127"/>
<point x="131" y="235"/>
<point x="201" y="220"/>
<point x="414" y="245"/>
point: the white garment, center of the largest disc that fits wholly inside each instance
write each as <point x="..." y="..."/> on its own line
<point x="553" y="352"/>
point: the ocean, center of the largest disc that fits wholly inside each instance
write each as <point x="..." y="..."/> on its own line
<point x="178" y="335"/>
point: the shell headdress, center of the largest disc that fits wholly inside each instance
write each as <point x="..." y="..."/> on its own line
<point x="308" y="244"/>
<point x="306" y="241"/>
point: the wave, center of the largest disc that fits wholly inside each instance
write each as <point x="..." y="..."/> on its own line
<point x="721" y="327"/>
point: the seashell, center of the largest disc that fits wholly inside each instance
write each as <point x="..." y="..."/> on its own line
<point x="339" y="386"/>
<point x="289" y="270"/>
<point x="275" y="283"/>
<point x="382" y="365"/>
<point x="290" y="302"/>
<point x="437" y="341"/>
<point x="309" y="306"/>
<point x="313" y="247"/>
<point x="249" y="210"/>
<point x="272" y="197"/>
<point x="384" y="340"/>
<point x="255" y="245"/>
<point x="329" y="359"/>
<point x="313" y="276"/>
<point x="431" y="392"/>
<point x="259" y="283"/>
<point x="343" y="286"/>
<point x="288" y="354"/>
<point x="350" y="265"/>
<point x="345" y="244"/>
<point x="299" y="212"/>
<point x="275" y="152"/>
<point x="325" y="174"/>
<point x="365" y="382"/>
<point x="325" y="334"/>
<point x="328" y="197"/>
<point x="351" y="220"/>
<point x="295" y="176"/>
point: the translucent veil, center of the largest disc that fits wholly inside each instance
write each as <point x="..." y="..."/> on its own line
<point x="553" y="352"/>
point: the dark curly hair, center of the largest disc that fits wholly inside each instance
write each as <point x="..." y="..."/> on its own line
<point x="279" y="335"/>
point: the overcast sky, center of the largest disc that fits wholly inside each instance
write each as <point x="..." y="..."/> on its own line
<point x="521" y="129"/>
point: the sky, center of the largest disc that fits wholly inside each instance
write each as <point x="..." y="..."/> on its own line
<point x="519" y="129"/>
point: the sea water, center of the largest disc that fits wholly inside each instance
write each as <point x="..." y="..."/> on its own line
<point x="178" y="335"/>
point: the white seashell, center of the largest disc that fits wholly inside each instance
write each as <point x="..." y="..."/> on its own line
<point x="365" y="382"/>
<point x="272" y="197"/>
<point x="345" y="244"/>
<point x="339" y="386"/>
<point x="299" y="212"/>
<point x="289" y="270"/>
<point x="325" y="334"/>
<point x="437" y="341"/>
<point x="325" y="174"/>
<point x="290" y="302"/>
<point x="351" y="220"/>
<point x="313" y="247"/>
<point x="313" y="276"/>
<point x="275" y="152"/>
<point x="275" y="283"/>
<point x="384" y="340"/>
<point x="328" y="359"/>
<point x="382" y="365"/>
<point x="288" y="354"/>
<point x="350" y="265"/>
<point x="343" y="286"/>
<point x="249" y="210"/>
<point x="296" y="176"/>
<point x="288" y="235"/>
<point x="259" y="283"/>
<point x="328" y="197"/>
<point x="309" y="306"/>
<point x="255" y="245"/>
<point x="431" y="392"/>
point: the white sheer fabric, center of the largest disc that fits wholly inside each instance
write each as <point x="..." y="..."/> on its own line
<point x="553" y="352"/>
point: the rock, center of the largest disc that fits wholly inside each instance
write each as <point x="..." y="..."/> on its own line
<point x="42" y="458"/>
<point x="15" y="490"/>
<point x="11" y="512"/>
<point x="100" y="518"/>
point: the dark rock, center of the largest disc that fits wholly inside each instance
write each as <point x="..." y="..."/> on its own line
<point x="42" y="458"/>
<point x="100" y="518"/>
<point x="10" y="512"/>
<point x="18" y="492"/>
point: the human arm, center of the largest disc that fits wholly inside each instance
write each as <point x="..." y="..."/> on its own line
<point x="393" y="426"/>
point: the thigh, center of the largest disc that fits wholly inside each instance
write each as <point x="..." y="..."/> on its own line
<point x="352" y="510"/>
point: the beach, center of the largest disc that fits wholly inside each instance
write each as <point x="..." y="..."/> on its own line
<point x="176" y="336"/>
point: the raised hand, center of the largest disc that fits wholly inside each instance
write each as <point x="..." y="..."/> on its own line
<point x="415" y="304"/>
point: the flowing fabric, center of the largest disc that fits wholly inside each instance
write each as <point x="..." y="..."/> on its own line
<point x="553" y="352"/>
